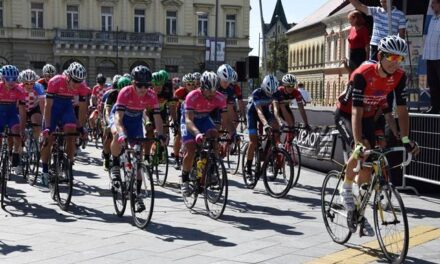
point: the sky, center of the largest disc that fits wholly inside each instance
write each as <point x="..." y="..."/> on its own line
<point x="296" y="10"/>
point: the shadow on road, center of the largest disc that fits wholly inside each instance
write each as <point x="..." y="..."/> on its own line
<point x="5" y="249"/>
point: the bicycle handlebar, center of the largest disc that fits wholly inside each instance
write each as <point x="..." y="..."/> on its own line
<point x="384" y="153"/>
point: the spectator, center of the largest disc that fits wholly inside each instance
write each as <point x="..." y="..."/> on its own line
<point x="431" y="53"/>
<point x="358" y="40"/>
<point x="306" y="96"/>
<point x="380" y="22"/>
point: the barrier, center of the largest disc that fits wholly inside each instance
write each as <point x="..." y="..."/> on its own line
<point x="425" y="130"/>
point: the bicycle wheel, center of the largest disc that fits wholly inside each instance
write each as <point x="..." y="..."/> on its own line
<point x="25" y="158"/>
<point x="194" y="185"/>
<point x="295" y="155"/>
<point x="333" y="211"/>
<point x="250" y="179"/>
<point x="236" y="151"/>
<point x="4" y="179"/>
<point x="142" y="197"/>
<point x="277" y="172"/>
<point x="98" y="132"/>
<point x="216" y="188"/>
<point x="34" y="163"/>
<point x="119" y="193"/>
<point x="391" y="224"/>
<point x="160" y="164"/>
<point x="64" y="183"/>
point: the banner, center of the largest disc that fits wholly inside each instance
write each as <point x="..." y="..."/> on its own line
<point x="317" y="143"/>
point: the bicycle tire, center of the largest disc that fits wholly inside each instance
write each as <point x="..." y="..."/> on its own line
<point x="250" y="180"/>
<point x="119" y="194"/>
<point x="238" y="153"/>
<point x="25" y="157"/>
<point x="34" y="164"/>
<point x="160" y="164"/>
<point x="215" y="188"/>
<point x="64" y="184"/>
<point x="279" y="184"/>
<point x="98" y="132"/>
<point x="4" y="181"/>
<point x="194" y="185"/>
<point x="295" y="155"/>
<point x="141" y="218"/>
<point x="333" y="210"/>
<point x="394" y="250"/>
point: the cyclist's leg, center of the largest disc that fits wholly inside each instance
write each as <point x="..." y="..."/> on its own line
<point x="68" y="123"/>
<point x="36" y="120"/>
<point x="188" y="157"/>
<point x="287" y="115"/>
<point x="253" y="136"/>
<point x="379" y="131"/>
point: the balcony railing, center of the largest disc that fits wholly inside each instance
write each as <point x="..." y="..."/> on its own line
<point x="108" y="38"/>
<point x="26" y="33"/>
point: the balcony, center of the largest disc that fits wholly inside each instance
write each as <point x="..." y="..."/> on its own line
<point x="90" y="37"/>
<point x="26" y="33"/>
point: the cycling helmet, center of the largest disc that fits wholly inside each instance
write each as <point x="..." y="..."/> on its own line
<point x="394" y="45"/>
<point x="158" y="78"/>
<point x="209" y="81"/>
<point x="28" y="76"/>
<point x="177" y="82"/>
<point x="77" y="72"/>
<point x="122" y="82"/>
<point x="289" y="79"/>
<point x="225" y="72"/>
<point x="115" y="80"/>
<point x="10" y="73"/>
<point x="197" y="76"/>
<point x="49" y="69"/>
<point x="165" y="74"/>
<point x="100" y="78"/>
<point x="188" y="78"/>
<point x="269" y="84"/>
<point x="234" y="77"/>
<point x="141" y="74"/>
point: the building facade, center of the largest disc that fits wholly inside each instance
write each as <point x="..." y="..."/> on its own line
<point x="114" y="36"/>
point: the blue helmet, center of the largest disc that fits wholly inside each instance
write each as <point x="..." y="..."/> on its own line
<point x="10" y="73"/>
<point x="269" y="84"/>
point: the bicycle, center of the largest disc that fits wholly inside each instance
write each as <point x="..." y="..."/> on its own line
<point x="277" y="170"/>
<point x="159" y="161"/>
<point x="208" y="176"/>
<point x="229" y="148"/>
<point x="5" y="164"/>
<point x="388" y="209"/>
<point x="290" y="145"/>
<point x="60" y="171"/>
<point x="130" y="187"/>
<point x="30" y="157"/>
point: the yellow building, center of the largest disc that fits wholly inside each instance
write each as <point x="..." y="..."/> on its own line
<point x="113" y="36"/>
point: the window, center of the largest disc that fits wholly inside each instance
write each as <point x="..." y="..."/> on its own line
<point x="106" y="18"/>
<point x="171" y="68"/>
<point x="1" y="14"/>
<point x="230" y="26"/>
<point x="37" y="15"/>
<point x="171" y="23"/>
<point x="72" y="17"/>
<point x="203" y="25"/>
<point x="139" y="20"/>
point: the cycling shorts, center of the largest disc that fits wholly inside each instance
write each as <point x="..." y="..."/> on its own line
<point x="33" y="111"/>
<point x="63" y="114"/>
<point x="343" y="124"/>
<point x="9" y="116"/>
<point x="252" y="118"/>
<point x="133" y="125"/>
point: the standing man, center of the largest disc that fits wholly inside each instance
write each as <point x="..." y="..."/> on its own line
<point x="380" y="19"/>
<point x="431" y="53"/>
<point x="305" y="95"/>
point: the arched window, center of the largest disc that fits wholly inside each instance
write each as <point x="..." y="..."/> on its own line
<point x="137" y="63"/>
<point x="107" y="68"/>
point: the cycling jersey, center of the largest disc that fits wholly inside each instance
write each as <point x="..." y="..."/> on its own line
<point x="8" y="105"/>
<point x="231" y="93"/>
<point x="202" y="108"/>
<point x="180" y="95"/>
<point x="98" y="91"/>
<point x="32" y="98"/>
<point x="283" y="97"/>
<point x="133" y="106"/>
<point x="258" y="98"/>
<point x="62" y="111"/>
<point x="43" y="82"/>
<point x="369" y="90"/>
<point x="166" y="97"/>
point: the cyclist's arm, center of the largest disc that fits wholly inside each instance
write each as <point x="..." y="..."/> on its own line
<point x="41" y="103"/>
<point x="392" y="124"/>
<point x="189" y="122"/>
<point x="303" y="113"/>
<point x="119" y="116"/>
<point x="22" y="112"/>
<point x="47" y="111"/>
<point x="359" y="84"/>
<point x="158" y="121"/>
<point x="401" y="110"/>
<point x="82" y="114"/>
<point x="276" y="112"/>
<point x="261" y="115"/>
<point x="107" y="110"/>
<point x="359" y="6"/>
<point x="356" y="123"/>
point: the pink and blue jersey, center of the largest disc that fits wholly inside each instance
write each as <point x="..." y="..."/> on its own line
<point x="32" y="97"/>
<point x="9" y="99"/>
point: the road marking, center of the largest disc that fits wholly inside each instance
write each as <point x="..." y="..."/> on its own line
<point x="366" y="253"/>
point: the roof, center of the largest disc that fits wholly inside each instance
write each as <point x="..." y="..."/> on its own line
<point x="329" y="8"/>
<point x="278" y="11"/>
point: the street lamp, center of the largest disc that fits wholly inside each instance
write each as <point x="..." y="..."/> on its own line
<point x="276" y="46"/>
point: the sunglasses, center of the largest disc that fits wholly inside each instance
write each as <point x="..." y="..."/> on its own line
<point x="190" y="83"/>
<point x="75" y="81"/>
<point x="141" y="85"/>
<point x="394" y="58"/>
<point x="9" y="80"/>
<point x="290" y="86"/>
<point x="28" y="83"/>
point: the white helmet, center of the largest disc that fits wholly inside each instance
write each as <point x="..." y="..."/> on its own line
<point x="49" y="69"/>
<point x="234" y="77"/>
<point x="209" y="81"/>
<point x="28" y="76"/>
<point x="394" y="45"/>
<point x="189" y="77"/>
<point x="197" y="76"/>
<point x="225" y="72"/>
<point x="269" y="84"/>
<point x="77" y="72"/>
<point x="289" y="79"/>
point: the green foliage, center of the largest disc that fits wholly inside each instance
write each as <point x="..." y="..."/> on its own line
<point x="277" y="48"/>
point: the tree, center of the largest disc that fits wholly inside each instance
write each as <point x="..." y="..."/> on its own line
<point x="277" y="47"/>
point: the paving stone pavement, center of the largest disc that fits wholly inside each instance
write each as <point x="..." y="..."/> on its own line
<point x="255" y="228"/>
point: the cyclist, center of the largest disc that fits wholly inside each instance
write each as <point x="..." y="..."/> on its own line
<point x="11" y="96"/>
<point x="197" y="77"/>
<point x="368" y="89"/>
<point x="49" y="71"/>
<point x="196" y="120"/>
<point x="96" y="99"/>
<point x="127" y="113"/>
<point x="34" y="99"/>
<point x="180" y="95"/>
<point x="59" y="110"/>
<point x="164" y="93"/>
<point x="109" y="99"/>
<point x="258" y="111"/>
<point x="176" y="83"/>
<point x="282" y="98"/>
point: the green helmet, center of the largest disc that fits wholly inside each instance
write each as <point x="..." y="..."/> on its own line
<point x="122" y="82"/>
<point x="159" y="78"/>
<point x="165" y="74"/>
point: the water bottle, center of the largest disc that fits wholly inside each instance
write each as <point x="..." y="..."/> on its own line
<point x="355" y="190"/>
<point x="200" y="166"/>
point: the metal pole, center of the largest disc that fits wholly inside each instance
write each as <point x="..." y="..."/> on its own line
<point x="264" y="40"/>
<point x="259" y="40"/>
<point x="274" y="63"/>
<point x="117" y="49"/>
<point x="389" y="7"/>
<point x="216" y="35"/>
